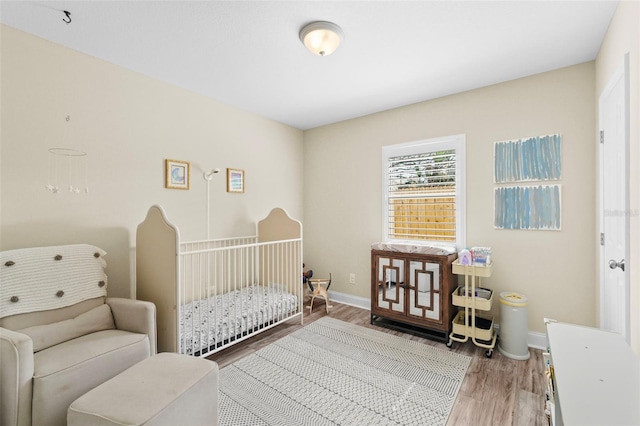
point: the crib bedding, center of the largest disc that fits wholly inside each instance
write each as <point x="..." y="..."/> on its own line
<point x="208" y="323"/>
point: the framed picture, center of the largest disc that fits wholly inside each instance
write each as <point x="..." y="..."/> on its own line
<point x="235" y="180"/>
<point x="176" y="174"/>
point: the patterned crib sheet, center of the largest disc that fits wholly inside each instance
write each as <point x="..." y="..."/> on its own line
<point x="209" y="323"/>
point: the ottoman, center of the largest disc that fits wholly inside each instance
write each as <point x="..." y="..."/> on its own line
<point x="166" y="389"/>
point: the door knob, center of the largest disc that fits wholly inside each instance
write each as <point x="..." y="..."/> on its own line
<point x="613" y="264"/>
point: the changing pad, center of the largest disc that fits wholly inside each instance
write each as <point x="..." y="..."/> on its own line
<point x="413" y="248"/>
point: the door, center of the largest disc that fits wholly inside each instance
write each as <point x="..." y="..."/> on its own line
<point x="614" y="282"/>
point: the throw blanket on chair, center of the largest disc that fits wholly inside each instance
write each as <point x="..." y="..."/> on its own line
<point x="44" y="278"/>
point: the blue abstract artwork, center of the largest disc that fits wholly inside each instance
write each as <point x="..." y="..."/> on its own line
<point x="527" y="207"/>
<point x="531" y="159"/>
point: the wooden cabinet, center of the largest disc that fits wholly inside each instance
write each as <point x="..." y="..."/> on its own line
<point x="412" y="292"/>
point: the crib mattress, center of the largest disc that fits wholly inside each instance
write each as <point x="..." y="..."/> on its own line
<point x="209" y="323"/>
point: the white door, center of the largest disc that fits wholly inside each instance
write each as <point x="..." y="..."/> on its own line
<point x="614" y="283"/>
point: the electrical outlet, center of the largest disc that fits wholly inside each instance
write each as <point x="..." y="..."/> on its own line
<point x="352" y="278"/>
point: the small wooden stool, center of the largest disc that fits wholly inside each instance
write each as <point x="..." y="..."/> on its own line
<point x="319" y="291"/>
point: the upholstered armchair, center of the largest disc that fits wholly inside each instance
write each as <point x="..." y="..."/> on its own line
<point x="60" y="336"/>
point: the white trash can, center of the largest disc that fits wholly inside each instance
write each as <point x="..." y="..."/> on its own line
<point x="512" y="341"/>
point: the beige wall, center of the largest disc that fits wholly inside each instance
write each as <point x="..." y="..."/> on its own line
<point x="624" y="37"/>
<point x="128" y="124"/>
<point x="555" y="269"/>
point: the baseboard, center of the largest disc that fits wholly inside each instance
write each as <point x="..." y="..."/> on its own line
<point x="348" y="299"/>
<point x="534" y="339"/>
<point x="537" y="340"/>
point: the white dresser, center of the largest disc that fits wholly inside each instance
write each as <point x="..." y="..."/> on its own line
<point x="596" y="377"/>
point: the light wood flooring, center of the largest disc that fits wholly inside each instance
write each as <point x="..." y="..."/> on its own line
<point x="495" y="391"/>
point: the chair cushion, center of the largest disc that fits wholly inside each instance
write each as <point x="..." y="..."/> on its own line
<point x="45" y="336"/>
<point x="64" y="372"/>
<point x="30" y="319"/>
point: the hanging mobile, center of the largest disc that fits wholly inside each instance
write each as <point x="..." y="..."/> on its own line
<point x="69" y="157"/>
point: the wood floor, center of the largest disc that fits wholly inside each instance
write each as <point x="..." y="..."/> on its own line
<point x="495" y="391"/>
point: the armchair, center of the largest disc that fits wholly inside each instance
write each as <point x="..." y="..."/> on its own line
<point x="60" y="336"/>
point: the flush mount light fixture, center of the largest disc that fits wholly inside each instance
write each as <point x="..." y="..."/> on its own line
<point x="321" y="38"/>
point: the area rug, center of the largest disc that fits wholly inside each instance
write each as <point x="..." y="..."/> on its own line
<point x="334" y="373"/>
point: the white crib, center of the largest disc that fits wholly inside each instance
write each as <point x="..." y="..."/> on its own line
<point x="214" y="293"/>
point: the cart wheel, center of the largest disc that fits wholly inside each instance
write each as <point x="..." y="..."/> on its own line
<point x="488" y="353"/>
<point x="449" y="343"/>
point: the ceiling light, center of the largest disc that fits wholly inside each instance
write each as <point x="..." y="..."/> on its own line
<point x="321" y="38"/>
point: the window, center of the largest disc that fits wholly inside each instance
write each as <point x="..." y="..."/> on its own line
<point x="424" y="191"/>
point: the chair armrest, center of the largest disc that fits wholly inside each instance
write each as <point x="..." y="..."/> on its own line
<point x="16" y="375"/>
<point x="137" y="316"/>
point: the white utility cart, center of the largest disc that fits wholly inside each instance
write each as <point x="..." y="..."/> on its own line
<point x="475" y="320"/>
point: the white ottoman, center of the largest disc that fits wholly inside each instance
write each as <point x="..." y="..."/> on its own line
<point x="166" y="389"/>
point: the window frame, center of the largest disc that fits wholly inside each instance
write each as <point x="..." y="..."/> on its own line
<point x="455" y="142"/>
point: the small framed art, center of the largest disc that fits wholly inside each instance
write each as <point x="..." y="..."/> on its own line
<point x="235" y="180"/>
<point x="176" y="174"/>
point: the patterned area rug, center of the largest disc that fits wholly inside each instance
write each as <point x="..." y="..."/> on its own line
<point x="334" y="373"/>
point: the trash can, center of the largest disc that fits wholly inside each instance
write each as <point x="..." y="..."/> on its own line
<point x="512" y="340"/>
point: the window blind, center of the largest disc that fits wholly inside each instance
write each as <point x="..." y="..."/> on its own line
<point x="422" y="196"/>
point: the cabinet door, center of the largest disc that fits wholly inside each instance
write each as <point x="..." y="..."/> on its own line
<point x="390" y="282"/>
<point x="423" y="288"/>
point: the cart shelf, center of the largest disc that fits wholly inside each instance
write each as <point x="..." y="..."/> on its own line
<point x="483" y="271"/>
<point x="467" y="330"/>
<point x="460" y="299"/>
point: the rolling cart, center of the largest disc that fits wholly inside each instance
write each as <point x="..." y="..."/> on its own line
<point x="475" y="320"/>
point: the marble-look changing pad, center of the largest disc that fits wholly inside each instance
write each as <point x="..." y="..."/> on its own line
<point x="413" y="248"/>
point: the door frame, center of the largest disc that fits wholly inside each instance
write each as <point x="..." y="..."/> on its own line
<point x="622" y="72"/>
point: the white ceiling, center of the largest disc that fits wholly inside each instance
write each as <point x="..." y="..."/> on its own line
<point x="248" y="54"/>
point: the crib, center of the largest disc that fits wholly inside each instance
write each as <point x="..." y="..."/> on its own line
<point x="211" y="294"/>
